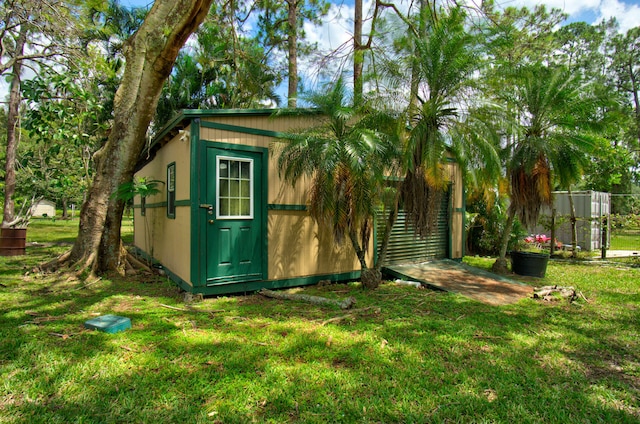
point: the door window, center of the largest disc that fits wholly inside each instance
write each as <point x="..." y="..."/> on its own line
<point x="234" y="188"/>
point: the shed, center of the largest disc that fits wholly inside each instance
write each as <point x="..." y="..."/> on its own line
<point x="45" y="208"/>
<point x="224" y="221"/>
<point x="592" y="210"/>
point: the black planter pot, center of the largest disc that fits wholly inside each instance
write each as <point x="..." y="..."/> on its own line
<point x="529" y="263"/>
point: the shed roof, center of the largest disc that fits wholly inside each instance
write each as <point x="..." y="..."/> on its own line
<point x="184" y="117"/>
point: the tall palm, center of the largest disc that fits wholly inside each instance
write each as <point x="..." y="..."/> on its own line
<point x="442" y="115"/>
<point x="552" y="140"/>
<point x="346" y="157"/>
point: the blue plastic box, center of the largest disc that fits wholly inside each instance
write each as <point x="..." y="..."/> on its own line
<point x="108" y="323"/>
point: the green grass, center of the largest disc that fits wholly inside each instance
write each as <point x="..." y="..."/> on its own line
<point x="404" y="355"/>
<point x="46" y="230"/>
<point x="627" y="240"/>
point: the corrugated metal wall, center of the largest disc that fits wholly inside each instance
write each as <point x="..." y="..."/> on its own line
<point x="590" y="207"/>
<point x="406" y="247"/>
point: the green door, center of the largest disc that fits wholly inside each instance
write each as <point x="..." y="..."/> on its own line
<point x="234" y="217"/>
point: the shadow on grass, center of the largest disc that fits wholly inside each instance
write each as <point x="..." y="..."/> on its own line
<point x="404" y="355"/>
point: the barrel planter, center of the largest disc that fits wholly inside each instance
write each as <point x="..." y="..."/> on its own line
<point x="13" y="241"/>
<point x="531" y="264"/>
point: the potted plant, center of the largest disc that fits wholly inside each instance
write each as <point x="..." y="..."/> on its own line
<point x="531" y="256"/>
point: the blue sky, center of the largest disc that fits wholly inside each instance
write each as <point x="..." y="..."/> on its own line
<point x="626" y="11"/>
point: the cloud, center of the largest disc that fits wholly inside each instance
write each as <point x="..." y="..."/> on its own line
<point x="572" y="7"/>
<point x="628" y="15"/>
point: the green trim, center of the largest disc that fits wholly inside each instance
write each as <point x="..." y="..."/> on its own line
<point x="196" y="153"/>
<point x="242" y="130"/>
<point x="450" y="214"/>
<point x="231" y="146"/>
<point x="193" y="113"/>
<point x="185" y="202"/>
<point x="198" y="251"/>
<point x="272" y="284"/>
<point x="171" y="215"/>
<point x="153" y="205"/>
<point x="265" y="212"/>
<point x="281" y="207"/>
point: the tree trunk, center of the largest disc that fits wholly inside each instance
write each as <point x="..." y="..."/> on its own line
<point x="65" y="209"/>
<point x="150" y="54"/>
<point x="386" y="235"/>
<point x="293" y="53"/>
<point x="415" y="69"/>
<point x="358" y="54"/>
<point x="574" y="223"/>
<point x="316" y="300"/>
<point x="552" y="246"/>
<point x="500" y="265"/>
<point x="636" y="100"/>
<point x="13" y="128"/>
<point x="370" y="278"/>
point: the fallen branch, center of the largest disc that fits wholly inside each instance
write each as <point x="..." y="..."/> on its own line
<point x="62" y="336"/>
<point x="409" y="283"/>
<point x="174" y="308"/>
<point x="40" y="320"/>
<point x="550" y="293"/>
<point x="190" y="309"/>
<point x="349" y="315"/>
<point x="316" y="300"/>
<point x="84" y="286"/>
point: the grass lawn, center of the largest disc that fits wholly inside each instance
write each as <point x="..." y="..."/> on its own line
<point x="629" y="240"/>
<point x="403" y="355"/>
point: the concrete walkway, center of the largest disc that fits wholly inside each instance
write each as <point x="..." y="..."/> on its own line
<point x="460" y="278"/>
<point x="623" y="253"/>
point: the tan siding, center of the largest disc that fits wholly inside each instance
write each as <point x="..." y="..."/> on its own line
<point x="279" y="192"/>
<point x="168" y="238"/>
<point x="457" y="213"/>
<point x="297" y="248"/>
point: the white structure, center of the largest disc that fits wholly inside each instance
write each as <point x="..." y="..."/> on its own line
<point x="591" y="207"/>
<point x="44" y="208"/>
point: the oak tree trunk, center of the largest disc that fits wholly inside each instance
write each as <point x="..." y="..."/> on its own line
<point x="13" y="128"/>
<point x="150" y="54"/>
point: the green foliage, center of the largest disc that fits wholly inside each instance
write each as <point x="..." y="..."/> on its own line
<point x="66" y="123"/>
<point x="140" y="186"/>
<point x="223" y="69"/>
<point x="485" y="226"/>
<point x="346" y="157"/>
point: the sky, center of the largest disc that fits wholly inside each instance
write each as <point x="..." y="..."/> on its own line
<point x="627" y="12"/>
<point x="337" y="25"/>
<point x="336" y="29"/>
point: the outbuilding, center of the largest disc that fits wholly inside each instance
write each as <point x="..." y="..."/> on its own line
<point x="225" y="222"/>
<point x="44" y="208"/>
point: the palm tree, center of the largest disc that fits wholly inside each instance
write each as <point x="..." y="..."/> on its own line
<point x="442" y="114"/>
<point x="346" y="157"/>
<point x="551" y="143"/>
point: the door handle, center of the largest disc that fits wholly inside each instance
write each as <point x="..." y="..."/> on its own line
<point x="211" y="221"/>
<point x="208" y="207"/>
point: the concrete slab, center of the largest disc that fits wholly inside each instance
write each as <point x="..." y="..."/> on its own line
<point x="623" y="253"/>
<point x="460" y="278"/>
